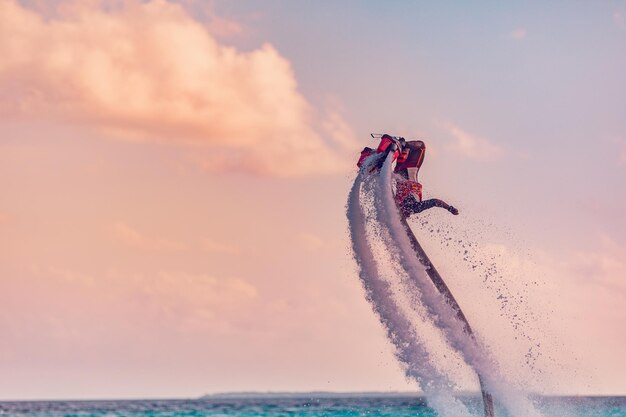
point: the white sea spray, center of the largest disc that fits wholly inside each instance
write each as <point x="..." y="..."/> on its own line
<point x="401" y="293"/>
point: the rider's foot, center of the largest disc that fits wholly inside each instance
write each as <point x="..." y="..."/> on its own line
<point x="453" y="210"/>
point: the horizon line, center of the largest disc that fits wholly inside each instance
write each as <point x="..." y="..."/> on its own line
<point x="293" y="394"/>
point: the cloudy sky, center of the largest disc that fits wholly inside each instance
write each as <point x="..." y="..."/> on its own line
<point x="174" y="177"/>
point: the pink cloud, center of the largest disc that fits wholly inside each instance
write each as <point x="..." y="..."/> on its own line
<point x="618" y="19"/>
<point x="212" y="246"/>
<point x="195" y="302"/>
<point x="620" y="146"/>
<point x="471" y="146"/>
<point x="519" y="34"/>
<point x="605" y="267"/>
<point x="218" y="26"/>
<point x="315" y="243"/>
<point x="4" y="217"/>
<point x="147" y="71"/>
<point x="337" y="128"/>
<point x="132" y="237"/>
<point x="71" y="277"/>
<point x="172" y="300"/>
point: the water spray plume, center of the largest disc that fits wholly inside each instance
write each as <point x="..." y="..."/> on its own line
<point x="400" y="286"/>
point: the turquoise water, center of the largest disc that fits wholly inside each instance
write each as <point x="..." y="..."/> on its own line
<point x="397" y="406"/>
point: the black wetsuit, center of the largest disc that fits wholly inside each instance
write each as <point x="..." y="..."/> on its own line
<point x="410" y="205"/>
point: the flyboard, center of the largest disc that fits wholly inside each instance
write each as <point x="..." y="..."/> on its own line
<point x="447" y="295"/>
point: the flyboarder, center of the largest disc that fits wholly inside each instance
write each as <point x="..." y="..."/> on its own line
<point x="409" y="156"/>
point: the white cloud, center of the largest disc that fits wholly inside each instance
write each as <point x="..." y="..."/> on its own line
<point x="471" y="146"/>
<point x="147" y="71"/>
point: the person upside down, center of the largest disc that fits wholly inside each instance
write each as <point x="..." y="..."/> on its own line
<point x="409" y="156"/>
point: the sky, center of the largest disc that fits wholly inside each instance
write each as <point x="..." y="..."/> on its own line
<point x="174" y="177"/>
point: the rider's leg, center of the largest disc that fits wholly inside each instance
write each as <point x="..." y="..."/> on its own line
<point x="411" y="205"/>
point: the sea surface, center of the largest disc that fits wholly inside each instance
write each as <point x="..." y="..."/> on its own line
<point x="335" y="406"/>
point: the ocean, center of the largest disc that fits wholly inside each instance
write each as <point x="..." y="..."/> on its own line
<point x="310" y="406"/>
